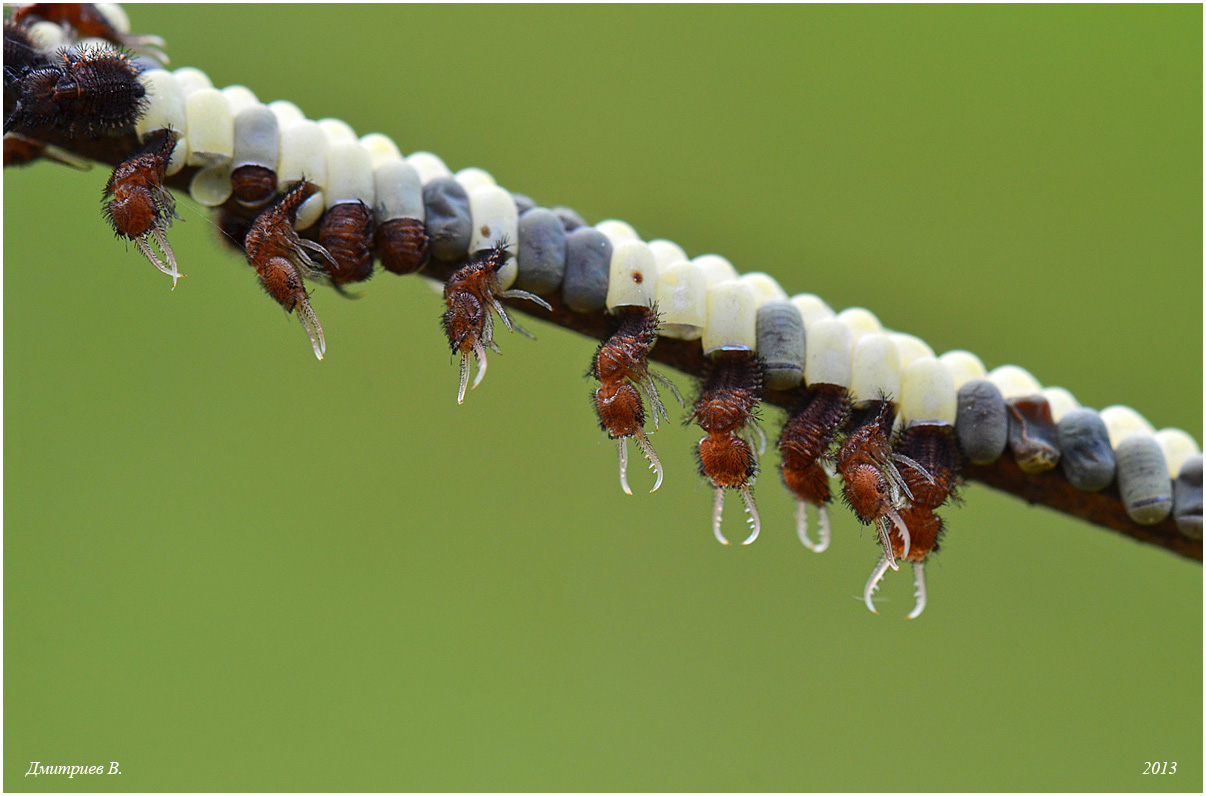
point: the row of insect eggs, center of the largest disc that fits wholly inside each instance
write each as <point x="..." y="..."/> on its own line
<point x="608" y="267"/>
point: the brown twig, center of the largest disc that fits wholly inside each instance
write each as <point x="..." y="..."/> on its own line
<point x="1049" y="489"/>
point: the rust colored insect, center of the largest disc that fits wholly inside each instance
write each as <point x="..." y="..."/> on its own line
<point x="252" y="185"/>
<point x="804" y="442"/>
<point x="726" y="410"/>
<point x="403" y="245"/>
<point x="283" y="260"/>
<point x="346" y="231"/>
<point x="622" y="366"/>
<point x="929" y="465"/>
<point x="871" y="484"/>
<point x="139" y="206"/>
<point x="470" y="295"/>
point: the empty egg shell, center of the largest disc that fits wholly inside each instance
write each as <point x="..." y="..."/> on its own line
<point x="927" y="392"/>
<point x="1033" y="436"/>
<point x="765" y="287"/>
<point x="191" y="80"/>
<point x="240" y="98"/>
<point x="428" y="165"/>
<point x="910" y="348"/>
<point x="495" y="220"/>
<point x="632" y="276"/>
<point x="666" y="252"/>
<point x="1014" y="382"/>
<point x="398" y="189"/>
<point x="732" y="323"/>
<point x="350" y="173"/>
<point x="474" y="177"/>
<point x="286" y="112"/>
<point x="381" y="148"/>
<point x="715" y="268"/>
<point x="210" y="128"/>
<point x="303" y="155"/>
<point x="1061" y="401"/>
<point x="616" y="231"/>
<point x="164" y="110"/>
<point x="682" y="300"/>
<point x="337" y="130"/>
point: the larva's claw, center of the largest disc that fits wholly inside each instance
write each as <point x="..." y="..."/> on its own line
<point x="884" y="529"/>
<point x="480" y="353"/>
<point x="717" y="512"/>
<point x="919" y="589"/>
<point x="751" y="510"/>
<point x="460" y="395"/>
<point x="822" y="544"/>
<point x="903" y="531"/>
<point x="305" y="314"/>
<point x="623" y="446"/>
<point x="877" y="575"/>
<point x="655" y="463"/>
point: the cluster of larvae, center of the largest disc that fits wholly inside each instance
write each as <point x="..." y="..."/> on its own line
<point x="312" y="200"/>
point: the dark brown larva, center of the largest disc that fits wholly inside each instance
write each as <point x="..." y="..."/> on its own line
<point x="82" y="91"/>
<point x="403" y="245"/>
<point x="469" y="296"/>
<point x="622" y="365"/>
<point x="253" y="186"/>
<point x="346" y="231"/>
<point x="806" y="437"/>
<point x="282" y="259"/>
<point x="725" y="409"/>
<point x="929" y="464"/>
<point x="139" y="206"/>
<point x="871" y="484"/>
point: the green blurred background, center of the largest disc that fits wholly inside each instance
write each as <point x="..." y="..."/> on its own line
<point x="229" y="566"/>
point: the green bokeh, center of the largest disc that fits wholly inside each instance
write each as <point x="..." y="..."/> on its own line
<point x="230" y="567"/>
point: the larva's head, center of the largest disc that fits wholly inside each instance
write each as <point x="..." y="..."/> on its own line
<point x="281" y="280"/>
<point x="132" y="210"/>
<point x="253" y="185"/>
<point x="621" y="412"/>
<point x="726" y="460"/>
<point x="464" y="321"/>
<point x="867" y="492"/>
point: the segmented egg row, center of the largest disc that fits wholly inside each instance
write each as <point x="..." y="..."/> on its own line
<point x="607" y="267"/>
